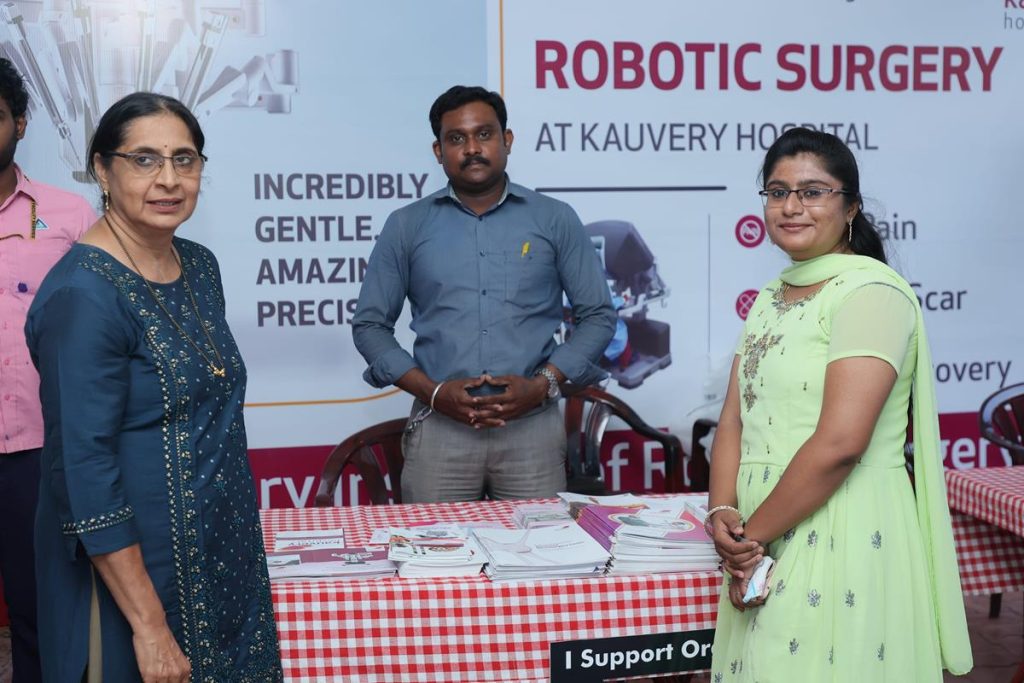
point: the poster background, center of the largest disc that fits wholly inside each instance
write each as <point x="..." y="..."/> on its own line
<point x="354" y="101"/>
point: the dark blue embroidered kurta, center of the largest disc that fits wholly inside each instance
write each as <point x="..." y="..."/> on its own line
<point x="143" y="444"/>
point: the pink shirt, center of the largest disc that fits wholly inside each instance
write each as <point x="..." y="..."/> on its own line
<point x="61" y="218"/>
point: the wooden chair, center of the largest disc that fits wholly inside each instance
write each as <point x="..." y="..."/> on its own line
<point x="1001" y="420"/>
<point x="361" y="450"/>
<point x="587" y="412"/>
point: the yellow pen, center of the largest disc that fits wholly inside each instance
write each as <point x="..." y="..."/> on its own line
<point x="526" y="249"/>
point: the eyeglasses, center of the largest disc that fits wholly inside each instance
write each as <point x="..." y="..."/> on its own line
<point x="146" y="164"/>
<point x="808" y="196"/>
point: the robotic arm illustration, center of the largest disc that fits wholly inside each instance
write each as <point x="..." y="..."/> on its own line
<point x="80" y="56"/>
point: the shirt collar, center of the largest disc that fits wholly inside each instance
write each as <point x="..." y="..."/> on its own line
<point x="23" y="186"/>
<point x="511" y="190"/>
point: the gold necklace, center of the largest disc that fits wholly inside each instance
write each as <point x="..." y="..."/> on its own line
<point x="217" y="371"/>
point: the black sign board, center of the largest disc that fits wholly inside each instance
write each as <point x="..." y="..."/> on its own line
<point x="601" y="659"/>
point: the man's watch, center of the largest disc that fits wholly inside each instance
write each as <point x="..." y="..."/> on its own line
<point x="553" y="391"/>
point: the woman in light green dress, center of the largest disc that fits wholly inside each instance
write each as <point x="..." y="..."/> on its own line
<point x="808" y="462"/>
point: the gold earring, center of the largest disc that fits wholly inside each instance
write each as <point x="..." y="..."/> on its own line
<point x="106" y="201"/>
<point x="850" y="234"/>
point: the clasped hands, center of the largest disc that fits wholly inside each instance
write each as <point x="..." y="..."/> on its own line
<point x="739" y="556"/>
<point x="519" y="395"/>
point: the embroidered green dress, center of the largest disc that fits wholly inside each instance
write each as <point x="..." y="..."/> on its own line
<point x="854" y="591"/>
<point x="143" y="444"/>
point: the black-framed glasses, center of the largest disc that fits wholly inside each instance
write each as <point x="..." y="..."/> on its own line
<point x="808" y="196"/>
<point x="147" y="164"/>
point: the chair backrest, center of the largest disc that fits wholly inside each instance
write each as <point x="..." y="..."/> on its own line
<point x="587" y="412"/>
<point x="1001" y="420"/>
<point x="359" y="450"/>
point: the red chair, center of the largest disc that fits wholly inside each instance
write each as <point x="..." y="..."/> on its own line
<point x="587" y="412"/>
<point x="1001" y="420"/>
<point x="375" y="452"/>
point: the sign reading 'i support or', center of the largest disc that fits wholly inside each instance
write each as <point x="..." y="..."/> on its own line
<point x="583" y="661"/>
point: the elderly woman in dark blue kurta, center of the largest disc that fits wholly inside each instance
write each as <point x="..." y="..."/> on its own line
<point x="150" y="557"/>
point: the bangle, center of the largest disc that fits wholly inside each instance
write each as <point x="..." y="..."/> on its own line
<point x="712" y="511"/>
<point x="434" y="394"/>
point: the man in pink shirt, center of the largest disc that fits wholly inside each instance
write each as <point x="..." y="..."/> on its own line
<point x="38" y="224"/>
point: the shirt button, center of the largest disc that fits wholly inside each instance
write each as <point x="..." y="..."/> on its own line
<point x="22" y="287"/>
<point x="483" y="292"/>
<point x="485" y="332"/>
<point x="481" y="253"/>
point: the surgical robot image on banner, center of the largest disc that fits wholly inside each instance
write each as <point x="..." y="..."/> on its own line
<point x="640" y="346"/>
<point x="80" y="56"/>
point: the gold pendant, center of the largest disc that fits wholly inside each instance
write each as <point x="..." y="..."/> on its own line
<point x="219" y="372"/>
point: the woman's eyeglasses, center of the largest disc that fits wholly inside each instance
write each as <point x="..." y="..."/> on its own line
<point x="146" y="164"/>
<point x="808" y="196"/>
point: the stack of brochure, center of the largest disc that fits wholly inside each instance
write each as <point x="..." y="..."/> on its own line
<point x="564" y="551"/>
<point x="697" y="503"/>
<point x="575" y="502"/>
<point x="317" y="554"/>
<point x="533" y="515"/>
<point x="309" y="538"/>
<point x="442" y="549"/>
<point x="650" y="542"/>
<point x="320" y="563"/>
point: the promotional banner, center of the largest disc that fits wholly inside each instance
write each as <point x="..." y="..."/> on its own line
<point x="650" y="119"/>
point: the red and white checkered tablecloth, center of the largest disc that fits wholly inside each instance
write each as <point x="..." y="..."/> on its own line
<point x="459" y="630"/>
<point x="987" y="508"/>
<point x="992" y="494"/>
<point x="991" y="560"/>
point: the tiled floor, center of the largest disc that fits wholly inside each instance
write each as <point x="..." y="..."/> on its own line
<point x="998" y="643"/>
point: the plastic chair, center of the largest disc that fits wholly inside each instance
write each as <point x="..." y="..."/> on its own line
<point x="1001" y="420"/>
<point x="587" y="412"/>
<point x="360" y="450"/>
<point x="700" y="463"/>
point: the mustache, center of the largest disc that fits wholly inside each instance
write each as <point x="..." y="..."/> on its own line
<point x="476" y="158"/>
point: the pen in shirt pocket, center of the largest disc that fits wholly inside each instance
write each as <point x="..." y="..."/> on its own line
<point x="526" y="249"/>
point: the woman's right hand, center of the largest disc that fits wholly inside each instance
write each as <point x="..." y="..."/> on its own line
<point x="160" y="658"/>
<point x="738" y="557"/>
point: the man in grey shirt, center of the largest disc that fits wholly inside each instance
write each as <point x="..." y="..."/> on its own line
<point x="484" y="263"/>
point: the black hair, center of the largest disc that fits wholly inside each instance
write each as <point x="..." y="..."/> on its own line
<point x="113" y="125"/>
<point x="838" y="160"/>
<point x="12" y="89"/>
<point x="460" y="95"/>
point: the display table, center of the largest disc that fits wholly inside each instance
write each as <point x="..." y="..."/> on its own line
<point x="467" y="629"/>
<point x="987" y="507"/>
<point x="991" y="503"/>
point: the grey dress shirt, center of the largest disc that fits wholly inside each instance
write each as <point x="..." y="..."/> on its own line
<point x="486" y="291"/>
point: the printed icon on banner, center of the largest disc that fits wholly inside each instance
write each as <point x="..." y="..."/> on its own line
<point x="744" y="302"/>
<point x="750" y="231"/>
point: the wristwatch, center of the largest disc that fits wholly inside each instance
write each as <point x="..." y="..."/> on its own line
<point x="553" y="391"/>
